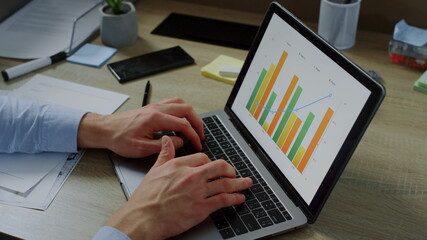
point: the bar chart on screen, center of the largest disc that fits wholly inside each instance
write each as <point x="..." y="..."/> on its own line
<point x="297" y="121"/>
<point x="299" y="105"/>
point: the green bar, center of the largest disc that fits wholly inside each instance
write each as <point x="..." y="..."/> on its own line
<point x="256" y="89"/>
<point x="301" y="136"/>
<point x="267" y="108"/>
<point x="288" y="111"/>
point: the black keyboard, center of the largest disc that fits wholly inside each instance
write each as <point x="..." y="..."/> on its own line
<point x="262" y="208"/>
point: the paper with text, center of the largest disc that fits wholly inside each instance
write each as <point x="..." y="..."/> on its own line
<point x="51" y="90"/>
<point x="20" y="171"/>
<point x="41" y="28"/>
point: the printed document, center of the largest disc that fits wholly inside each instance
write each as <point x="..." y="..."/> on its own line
<point x="42" y="28"/>
<point x="42" y="88"/>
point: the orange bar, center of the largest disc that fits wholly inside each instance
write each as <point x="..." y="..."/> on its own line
<point x="316" y="139"/>
<point x="291" y="136"/>
<point x="271" y="83"/>
<point x="283" y="104"/>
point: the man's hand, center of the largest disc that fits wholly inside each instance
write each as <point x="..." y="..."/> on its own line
<point x="176" y="195"/>
<point x="130" y="134"/>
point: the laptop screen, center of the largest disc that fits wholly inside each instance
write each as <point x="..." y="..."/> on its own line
<point x="299" y="104"/>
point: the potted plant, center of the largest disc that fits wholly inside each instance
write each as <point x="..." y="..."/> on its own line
<point x="118" y="24"/>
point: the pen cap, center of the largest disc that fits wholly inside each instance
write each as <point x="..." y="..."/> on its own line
<point x="58" y="57"/>
<point x="5" y="75"/>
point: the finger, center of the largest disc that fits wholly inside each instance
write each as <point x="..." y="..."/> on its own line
<point x="177" y="142"/>
<point x="228" y="185"/>
<point x="155" y="146"/>
<point x="167" y="152"/>
<point x="187" y="112"/>
<point x="223" y="200"/>
<point x="194" y="160"/>
<point x="166" y="121"/>
<point x="177" y="107"/>
<point x="172" y="100"/>
<point x="218" y="168"/>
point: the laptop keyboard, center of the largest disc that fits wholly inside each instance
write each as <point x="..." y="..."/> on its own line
<point x="262" y="208"/>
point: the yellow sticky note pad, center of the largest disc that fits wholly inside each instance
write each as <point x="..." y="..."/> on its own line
<point x="211" y="70"/>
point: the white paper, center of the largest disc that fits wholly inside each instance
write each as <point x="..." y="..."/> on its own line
<point x="20" y="171"/>
<point x="41" y="28"/>
<point x="44" y="185"/>
<point x="41" y="195"/>
<point x="55" y="91"/>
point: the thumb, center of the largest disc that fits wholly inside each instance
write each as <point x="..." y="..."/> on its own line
<point x="167" y="152"/>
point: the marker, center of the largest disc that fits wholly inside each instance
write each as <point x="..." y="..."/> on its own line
<point x="30" y="66"/>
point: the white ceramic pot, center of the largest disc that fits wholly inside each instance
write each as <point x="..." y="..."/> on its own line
<point x="119" y="30"/>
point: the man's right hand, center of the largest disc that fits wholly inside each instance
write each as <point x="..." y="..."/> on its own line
<point x="176" y="195"/>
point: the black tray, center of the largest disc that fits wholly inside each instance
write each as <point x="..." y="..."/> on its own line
<point x="218" y="32"/>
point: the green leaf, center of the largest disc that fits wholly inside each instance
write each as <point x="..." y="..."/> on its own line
<point x="115" y="5"/>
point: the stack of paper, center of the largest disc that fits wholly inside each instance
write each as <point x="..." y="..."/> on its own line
<point x="25" y="183"/>
<point x="33" y="180"/>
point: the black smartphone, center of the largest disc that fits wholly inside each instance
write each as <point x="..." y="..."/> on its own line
<point x="150" y="63"/>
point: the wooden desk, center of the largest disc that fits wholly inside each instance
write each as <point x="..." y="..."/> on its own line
<point x="382" y="194"/>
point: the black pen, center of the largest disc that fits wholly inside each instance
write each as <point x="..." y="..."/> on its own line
<point x="33" y="65"/>
<point x="146" y="94"/>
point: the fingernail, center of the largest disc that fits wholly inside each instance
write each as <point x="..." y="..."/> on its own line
<point x="242" y="198"/>
<point x="249" y="182"/>
<point x="165" y="141"/>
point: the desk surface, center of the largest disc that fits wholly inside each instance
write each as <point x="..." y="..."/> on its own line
<point x="382" y="194"/>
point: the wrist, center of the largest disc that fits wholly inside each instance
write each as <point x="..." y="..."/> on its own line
<point x="134" y="224"/>
<point x="92" y="132"/>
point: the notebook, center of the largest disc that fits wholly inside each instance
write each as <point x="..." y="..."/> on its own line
<point x="293" y="119"/>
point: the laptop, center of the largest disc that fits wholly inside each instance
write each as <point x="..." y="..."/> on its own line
<point x="293" y="119"/>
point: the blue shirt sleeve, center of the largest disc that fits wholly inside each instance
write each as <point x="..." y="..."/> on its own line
<point x="30" y="127"/>
<point x="110" y="233"/>
<point x="26" y="126"/>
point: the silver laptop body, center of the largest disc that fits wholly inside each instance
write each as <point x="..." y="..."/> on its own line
<point x="298" y="133"/>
